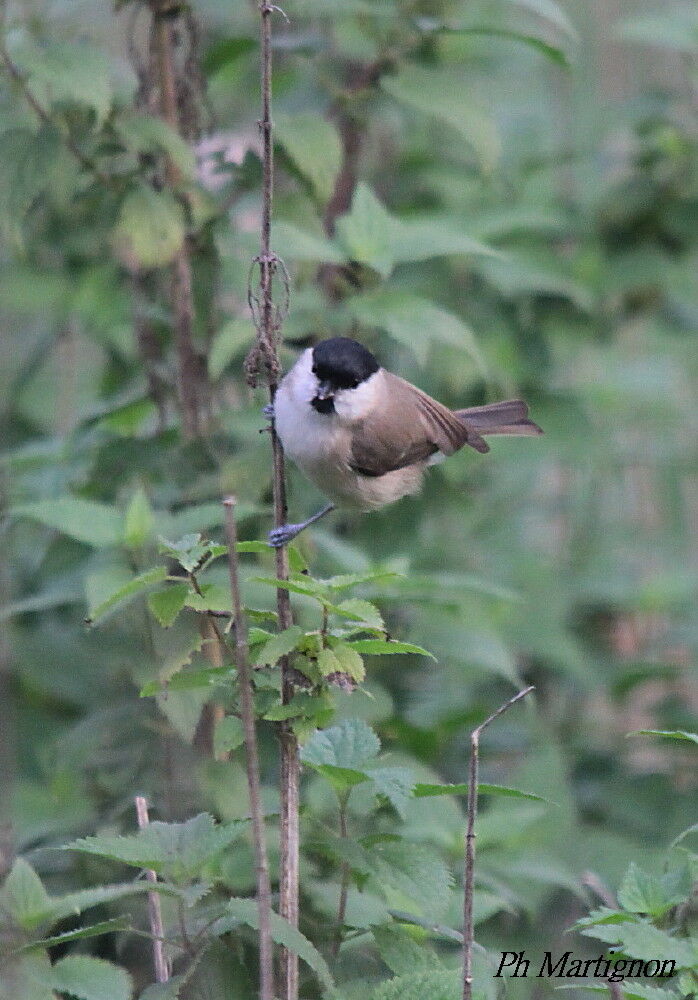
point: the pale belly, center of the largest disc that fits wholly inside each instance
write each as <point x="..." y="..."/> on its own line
<point x="314" y="441"/>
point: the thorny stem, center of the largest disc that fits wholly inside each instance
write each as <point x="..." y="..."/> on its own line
<point x="468" y="930"/>
<point x="162" y="973"/>
<point x="242" y="662"/>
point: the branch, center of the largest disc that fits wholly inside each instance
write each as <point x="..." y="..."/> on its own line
<point x="162" y="973"/>
<point x="468" y="929"/>
<point x="242" y="662"/>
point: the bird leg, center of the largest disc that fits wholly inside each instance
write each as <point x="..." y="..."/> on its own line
<point x="287" y="532"/>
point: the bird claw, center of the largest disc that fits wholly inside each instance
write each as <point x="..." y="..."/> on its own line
<point x="281" y="536"/>
<point x="268" y="411"/>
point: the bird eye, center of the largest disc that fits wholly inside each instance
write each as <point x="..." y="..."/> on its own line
<point x="355" y="383"/>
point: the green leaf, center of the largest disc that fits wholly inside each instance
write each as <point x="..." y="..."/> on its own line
<point x="436" y="984"/>
<point x="283" y="933"/>
<point x="632" y="990"/>
<point x="327" y="663"/>
<point x="350" y="744"/>
<point x="278" y="646"/>
<point x="177" y="851"/>
<point x="417" y="239"/>
<point x="138" y="521"/>
<point x="26" y="977"/>
<point x="297" y="585"/>
<point x="396" y="784"/>
<point x="96" y="524"/>
<point x="91" y="978"/>
<point x="69" y="72"/>
<point x="228" y="735"/>
<point x="552" y="52"/>
<point x="414" y="321"/>
<point x="166" y="604"/>
<point x="25" y="173"/>
<point x="349" y="660"/>
<point x="386" y="647"/>
<point x="189" y="551"/>
<point x="401" y="952"/>
<point x="94" y="930"/>
<point x="549" y="11"/>
<point x="233" y="337"/>
<point x="672" y="734"/>
<point x="440" y="93"/>
<point x="23" y="895"/>
<point x="361" y="611"/>
<point x="150" y="230"/>
<point x="639" y="939"/>
<point x="149" y="134"/>
<point x="189" y="680"/>
<point x="297" y="244"/>
<point x="342" y="779"/>
<point x="364" y="232"/>
<point x="314" y="146"/>
<point x="415" y="874"/>
<point x="642" y="893"/>
<point x="677" y="32"/>
<point x="137" y="585"/>
<point x="685" y="833"/>
<point x="423" y="790"/>
<point x="346" y="580"/>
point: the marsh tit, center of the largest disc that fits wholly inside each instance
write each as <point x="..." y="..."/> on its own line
<point x="365" y="436"/>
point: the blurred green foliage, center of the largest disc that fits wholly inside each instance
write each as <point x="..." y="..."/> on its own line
<point x="459" y="187"/>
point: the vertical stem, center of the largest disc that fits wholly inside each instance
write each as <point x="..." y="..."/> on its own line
<point x="162" y="973"/>
<point x="345" y="873"/>
<point x="290" y="762"/>
<point x="242" y="662"/>
<point x="468" y="930"/>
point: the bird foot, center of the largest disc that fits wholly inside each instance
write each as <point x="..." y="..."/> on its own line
<point x="268" y="411"/>
<point x="281" y="536"/>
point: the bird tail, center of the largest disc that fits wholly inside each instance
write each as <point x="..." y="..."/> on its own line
<point x="509" y="417"/>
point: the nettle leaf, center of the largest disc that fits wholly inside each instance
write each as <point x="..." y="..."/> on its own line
<point x="228" y="735"/>
<point x="148" y="134"/>
<point x="189" y="680"/>
<point x="346" y="580"/>
<point x="364" y="232"/>
<point x="436" y="984"/>
<point x="190" y="551"/>
<point x="177" y="851"/>
<point x="25" y="172"/>
<point x="413" y="321"/>
<point x="439" y="93"/>
<point x="349" y="660"/>
<point x="387" y="647"/>
<point x="297" y="584"/>
<point x="232" y="338"/>
<point x="96" y="524"/>
<point x="396" y="784"/>
<point x="298" y="244"/>
<point x="603" y="915"/>
<point x="642" y="893"/>
<point x="138" y="520"/>
<point x="126" y="592"/>
<point x="245" y="911"/>
<point x="23" y="895"/>
<point x="360" y="611"/>
<point x="69" y="72"/>
<point x="415" y="874"/>
<point x="26" y="976"/>
<point x="350" y="744"/>
<point x="342" y="779"/>
<point x="401" y="952"/>
<point x="424" y="790"/>
<point x="632" y="990"/>
<point x="278" y="646"/>
<point x="313" y="144"/>
<point x="166" y="604"/>
<point x="672" y="734"/>
<point x="91" y="978"/>
<point x="151" y="228"/>
<point x="640" y="939"/>
<point x="94" y="930"/>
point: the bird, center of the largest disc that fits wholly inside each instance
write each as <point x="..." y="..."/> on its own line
<point x="365" y="436"/>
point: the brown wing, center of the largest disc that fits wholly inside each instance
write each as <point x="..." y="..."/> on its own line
<point x="415" y="428"/>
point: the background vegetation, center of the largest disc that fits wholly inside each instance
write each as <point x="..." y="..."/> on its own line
<point x="497" y="197"/>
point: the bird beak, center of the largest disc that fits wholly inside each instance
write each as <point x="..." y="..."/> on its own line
<point x="324" y="390"/>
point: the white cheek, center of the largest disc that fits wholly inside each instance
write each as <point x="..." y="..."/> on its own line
<point x="305" y="383"/>
<point x="354" y="404"/>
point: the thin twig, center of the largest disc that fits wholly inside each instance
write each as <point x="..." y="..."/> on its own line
<point x="242" y="662"/>
<point x="468" y="930"/>
<point x="345" y="876"/>
<point x="162" y="972"/>
<point x="264" y="353"/>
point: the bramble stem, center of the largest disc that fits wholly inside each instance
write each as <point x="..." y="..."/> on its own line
<point x="162" y="972"/>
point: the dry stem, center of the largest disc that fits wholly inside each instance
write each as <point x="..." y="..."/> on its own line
<point x="162" y="973"/>
<point x="468" y="930"/>
<point x="242" y="662"/>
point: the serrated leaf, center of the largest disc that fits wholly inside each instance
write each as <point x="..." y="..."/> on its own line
<point x="438" y="93"/>
<point x="346" y="580"/>
<point x="362" y="611"/>
<point x="639" y="939"/>
<point x="278" y="646"/>
<point x="96" y="524"/>
<point x="177" y="851"/>
<point x="166" y="604"/>
<point x="150" y="229"/>
<point x="642" y="893"/>
<point x="632" y="990"/>
<point x="387" y="647"/>
<point x="189" y="680"/>
<point x="341" y="778"/>
<point x="672" y="734"/>
<point x="401" y="952"/>
<point x="416" y="873"/>
<point x="313" y="144"/>
<point x="414" y="321"/>
<point x="94" y="930"/>
<point x="91" y="978"/>
<point x="327" y="663"/>
<point x="137" y="585"/>
<point x="349" y="660"/>
<point x="436" y="984"/>
<point x="149" y="134"/>
<point x="138" y="520"/>
<point x="363" y="232"/>
<point x="350" y="744"/>
<point x="304" y="585"/>
<point x="245" y="911"/>
<point x="228" y="735"/>
<point x="603" y="915"/>
<point x="396" y="784"/>
<point x="424" y="790"/>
